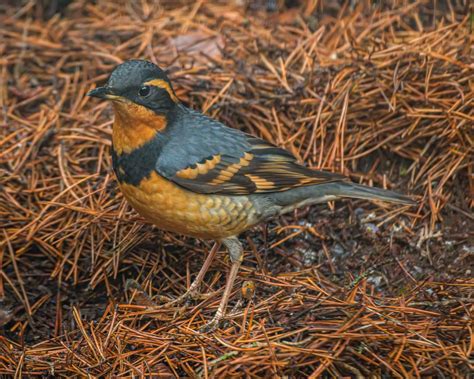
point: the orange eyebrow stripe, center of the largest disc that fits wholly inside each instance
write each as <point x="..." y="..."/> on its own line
<point x="160" y="83"/>
<point x="200" y="169"/>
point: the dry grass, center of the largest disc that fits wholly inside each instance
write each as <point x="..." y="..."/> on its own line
<point x="383" y="93"/>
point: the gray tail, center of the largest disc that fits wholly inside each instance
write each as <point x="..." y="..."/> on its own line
<point x="359" y="191"/>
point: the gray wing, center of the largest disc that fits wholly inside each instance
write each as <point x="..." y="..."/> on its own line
<point x="205" y="156"/>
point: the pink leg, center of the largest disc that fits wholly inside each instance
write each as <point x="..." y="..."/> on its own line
<point x="192" y="291"/>
<point x="236" y="256"/>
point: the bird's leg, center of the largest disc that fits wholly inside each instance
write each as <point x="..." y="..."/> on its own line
<point x="236" y="256"/>
<point x="192" y="291"/>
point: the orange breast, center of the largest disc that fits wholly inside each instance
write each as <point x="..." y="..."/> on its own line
<point x="173" y="208"/>
<point x="134" y="126"/>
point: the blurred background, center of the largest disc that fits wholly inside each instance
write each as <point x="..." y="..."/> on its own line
<point x="381" y="91"/>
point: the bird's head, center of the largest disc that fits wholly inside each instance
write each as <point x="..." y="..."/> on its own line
<point x="143" y="100"/>
<point x="135" y="84"/>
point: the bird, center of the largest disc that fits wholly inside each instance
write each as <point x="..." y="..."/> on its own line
<point x="190" y="174"/>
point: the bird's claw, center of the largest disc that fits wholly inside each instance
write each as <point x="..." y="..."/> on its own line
<point x="211" y="326"/>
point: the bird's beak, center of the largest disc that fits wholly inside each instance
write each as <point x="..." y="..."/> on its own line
<point x="103" y="93"/>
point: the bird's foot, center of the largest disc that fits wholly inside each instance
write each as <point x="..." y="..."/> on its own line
<point x="164" y="302"/>
<point x="212" y="325"/>
<point x="186" y="299"/>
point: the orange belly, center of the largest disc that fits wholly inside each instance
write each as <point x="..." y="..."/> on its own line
<point x="173" y="208"/>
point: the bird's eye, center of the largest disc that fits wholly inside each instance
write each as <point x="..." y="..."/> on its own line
<point x="144" y="91"/>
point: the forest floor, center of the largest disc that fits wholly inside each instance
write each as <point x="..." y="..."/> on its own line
<point x="382" y="93"/>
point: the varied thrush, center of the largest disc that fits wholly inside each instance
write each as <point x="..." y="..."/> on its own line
<point x="192" y="175"/>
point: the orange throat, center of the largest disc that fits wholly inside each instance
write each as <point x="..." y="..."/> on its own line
<point x="134" y="125"/>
